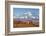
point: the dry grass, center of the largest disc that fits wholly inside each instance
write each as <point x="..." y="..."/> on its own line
<point x="24" y="24"/>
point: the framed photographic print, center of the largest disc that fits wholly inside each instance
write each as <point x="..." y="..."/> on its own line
<point x="24" y="17"/>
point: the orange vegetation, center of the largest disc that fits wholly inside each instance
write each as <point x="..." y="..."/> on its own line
<point x="24" y="24"/>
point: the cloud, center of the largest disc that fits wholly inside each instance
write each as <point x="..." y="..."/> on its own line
<point x="25" y="13"/>
<point x="26" y="17"/>
<point x="33" y="17"/>
<point x="21" y="17"/>
<point x="29" y="13"/>
<point x="15" y="17"/>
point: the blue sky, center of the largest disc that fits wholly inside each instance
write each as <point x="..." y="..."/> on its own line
<point x="20" y="11"/>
